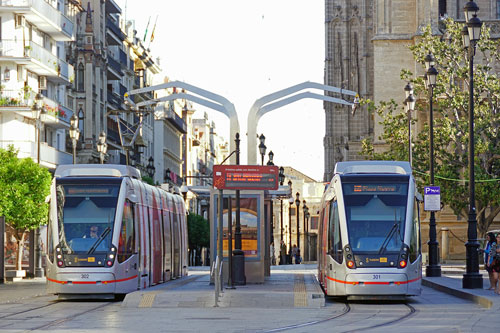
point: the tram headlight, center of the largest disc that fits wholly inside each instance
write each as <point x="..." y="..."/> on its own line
<point x="111" y="257"/>
<point x="60" y="263"/>
<point x="350" y="264"/>
<point x="402" y="263"/>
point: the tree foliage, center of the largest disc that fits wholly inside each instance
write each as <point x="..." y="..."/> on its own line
<point x="198" y="232"/>
<point x="24" y="185"/>
<point x="451" y="122"/>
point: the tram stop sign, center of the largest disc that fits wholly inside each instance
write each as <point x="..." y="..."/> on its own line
<point x="245" y="177"/>
<point x="432" y="198"/>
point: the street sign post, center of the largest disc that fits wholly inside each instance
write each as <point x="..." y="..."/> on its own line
<point x="432" y="198"/>
<point x="245" y="177"/>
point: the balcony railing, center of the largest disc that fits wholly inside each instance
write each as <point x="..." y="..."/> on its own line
<point x="111" y="25"/>
<point x="115" y="65"/>
<point x="43" y="55"/>
<point x="114" y="100"/>
<point x="16" y="98"/>
<point x="176" y="121"/>
<point x="123" y="58"/>
<point x="45" y="10"/>
<point x="123" y="90"/>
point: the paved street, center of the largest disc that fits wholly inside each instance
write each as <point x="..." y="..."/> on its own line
<point x="186" y="305"/>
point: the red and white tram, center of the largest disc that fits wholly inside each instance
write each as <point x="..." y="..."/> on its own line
<point x="109" y="233"/>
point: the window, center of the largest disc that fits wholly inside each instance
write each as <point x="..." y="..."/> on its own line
<point x="80" y="77"/>
<point x="415" y="234"/>
<point x="126" y="242"/>
<point x="335" y="239"/>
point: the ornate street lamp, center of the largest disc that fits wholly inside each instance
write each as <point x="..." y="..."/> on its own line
<point x="472" y="279"/>
<point x="410" y="106"/>
<point x="151" y="167"/>
<point x="184" y="190"/>
<point x="74" y="134"/>
<point x="297" y="203"/>
<point x="281" y="177"/>
<point x="102" y="146"/>
<point x="306" y="235"/>
<point x="167" y="176"/>
<point x="290" y="203"/>
<point x="271" y="156"/>
<point x="433" y="269"/>
<point x="38" y="112"/>
<point x="262" y="147"/>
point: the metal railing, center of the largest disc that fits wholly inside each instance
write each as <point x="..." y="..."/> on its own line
<point x="17" y="98"/>
<point x="216" y="274"/>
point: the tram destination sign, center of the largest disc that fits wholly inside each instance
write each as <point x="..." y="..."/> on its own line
<point x="245" y="177"/>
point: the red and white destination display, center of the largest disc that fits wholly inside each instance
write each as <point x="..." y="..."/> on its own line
<point x="245" y="177"/>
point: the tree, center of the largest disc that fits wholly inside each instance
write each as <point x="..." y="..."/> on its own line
<point x="24" y="185"/>
<point x="451" y="114"/>
<point x="198" y="233"/>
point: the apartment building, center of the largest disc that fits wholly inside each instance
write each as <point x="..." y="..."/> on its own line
<point x="33" y="69"/>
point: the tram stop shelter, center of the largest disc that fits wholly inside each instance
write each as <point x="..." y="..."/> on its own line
<point x="255" y="223"/>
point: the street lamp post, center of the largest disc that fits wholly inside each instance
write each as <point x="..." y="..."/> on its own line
<point x="306" y="235"/>
<point x="102" y="146"/>
<point x="74" y="134"/>
<point x="433" y="269"/>
<point x="297" y="203"/>
<point x="472" y="279"/>
<point x="410" y="106"/>
<point x="271" y="217"/>
<point x="281" y="177"/>
<point x="38" y="112"/>
<point x="290" y="203"/>
<point x="262" y="147"/>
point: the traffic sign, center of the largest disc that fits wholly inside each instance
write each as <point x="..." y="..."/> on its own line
<point x="245" y="177"/>
<point x="432" y="198"/>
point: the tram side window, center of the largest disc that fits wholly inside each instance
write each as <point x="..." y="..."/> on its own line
<point x="415" y="234"/>
<point x="126" y="243"/>
<point x="335" y="239"/>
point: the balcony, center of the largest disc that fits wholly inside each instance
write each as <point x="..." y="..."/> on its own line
<point x="44" y="16"/>
<point x="174" y="119"/>
<point x="16" y="100"/>
<point x="114" y="69"/>
<point x="123" y="90"/>
<point x="57" y="116"/>
<point x="114" y="100"/>
<point x="113" y="31"/>
<point x="123" y="58"/>
<point x="36" y="59"/>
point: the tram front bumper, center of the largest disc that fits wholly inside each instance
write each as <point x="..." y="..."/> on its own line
<point x="377" y="284"/>
<point x="81" y="283"/>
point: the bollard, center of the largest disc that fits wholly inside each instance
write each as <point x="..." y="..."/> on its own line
<point x="444" y="243"/>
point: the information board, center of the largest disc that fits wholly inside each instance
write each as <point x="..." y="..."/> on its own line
<point x="432" y="198"/>
<point x="245" y="177"/>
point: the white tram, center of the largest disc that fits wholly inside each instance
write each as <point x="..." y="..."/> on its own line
<point x="369" y="234"/>
<point x="110" y="233"/>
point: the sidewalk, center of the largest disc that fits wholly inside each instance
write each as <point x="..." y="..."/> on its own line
<point x="450" y="282"/>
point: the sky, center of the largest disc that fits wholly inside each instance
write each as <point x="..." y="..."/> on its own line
<point x="244" y="50"/>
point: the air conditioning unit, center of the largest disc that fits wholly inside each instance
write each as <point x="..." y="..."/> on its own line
<point x="42" y="82"/>
<point x="20" y="21"/>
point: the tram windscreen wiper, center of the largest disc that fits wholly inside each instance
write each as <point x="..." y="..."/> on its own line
<point x="99" y="240"/>
<point x="388" y="237"/>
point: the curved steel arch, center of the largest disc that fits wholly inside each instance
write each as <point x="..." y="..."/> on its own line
<point x="223" y="105"/>
<point x="259" y="108"/>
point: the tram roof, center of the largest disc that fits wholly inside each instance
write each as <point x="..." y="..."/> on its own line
<point x="373" y="167"/>
<point x="97" y="170"/>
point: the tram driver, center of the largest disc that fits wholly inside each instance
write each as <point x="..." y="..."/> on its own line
<point x="93" y="232"/>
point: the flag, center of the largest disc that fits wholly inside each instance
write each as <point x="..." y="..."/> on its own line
<point x="153" y="32"/>
<point x="147" y="26"/>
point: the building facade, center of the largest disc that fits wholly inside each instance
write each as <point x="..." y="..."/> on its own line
<point x="33" y="67"/>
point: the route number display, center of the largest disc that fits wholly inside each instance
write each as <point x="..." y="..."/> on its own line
<point x="245" y="177"/>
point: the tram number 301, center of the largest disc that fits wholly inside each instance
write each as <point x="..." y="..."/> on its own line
<point x="376" y="277"/>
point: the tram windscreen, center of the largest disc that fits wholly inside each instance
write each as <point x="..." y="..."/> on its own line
<point x="375" y="212"/>
<point x="86" y="213"/>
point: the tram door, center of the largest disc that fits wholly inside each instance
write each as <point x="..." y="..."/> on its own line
<point x="127" y="257"/>
<point x="337" y="267"/>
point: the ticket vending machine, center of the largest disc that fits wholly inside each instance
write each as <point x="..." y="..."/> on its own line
<point x="252" y="222"/>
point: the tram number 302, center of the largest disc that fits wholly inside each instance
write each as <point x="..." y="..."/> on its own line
<point x="84" y="276"/>
<point x="376" y="277"/>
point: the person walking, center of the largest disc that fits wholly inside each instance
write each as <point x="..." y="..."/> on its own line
<point x="490" y="239"/>
<point x="271" y="254"/>
<point x="298" y="258"/>
<point x="283" y="253"/>
<point x="494" y="257"/>
<point x="293" y="254"/>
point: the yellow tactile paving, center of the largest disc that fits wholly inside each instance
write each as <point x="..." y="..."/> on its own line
<point x="147" y="300"/>
<point x="299" y="291"/>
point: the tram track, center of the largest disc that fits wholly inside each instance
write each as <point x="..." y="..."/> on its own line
<point x="346" y="311"/>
